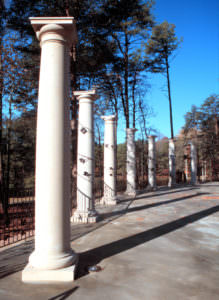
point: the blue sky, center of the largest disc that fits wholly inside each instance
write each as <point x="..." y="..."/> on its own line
<point x="195" y="69"/>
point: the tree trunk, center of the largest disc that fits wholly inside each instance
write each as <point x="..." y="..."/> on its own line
<point x="126" y="80"/>
<point x="216" y="126"/>
<point x="74" y="129"/>
<point x="133" y="100"/>
<point x="2" y="182"/>
<point x="1" y="146"/>
<point x="9" y="155"/>
<point x="169" y="96"/>
<point x="73" y="109"/>
<point x="1" y="97"/>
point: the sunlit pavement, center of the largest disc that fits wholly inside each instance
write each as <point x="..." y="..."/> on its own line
<point x="161" y="245"/>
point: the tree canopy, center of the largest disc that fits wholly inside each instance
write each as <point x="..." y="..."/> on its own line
<point x="112" y="40"/>
<point x="202" y="125"/>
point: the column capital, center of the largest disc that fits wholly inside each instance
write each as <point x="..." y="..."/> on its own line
<point x="110" y="118"/>
<point x="90" y="95"/>
<point x="131" y="130"/>
<point x="61" y="29"/>
<point x="152" y="136"/>
<point x="171" y="141"/>
<point x="190" y="143"/>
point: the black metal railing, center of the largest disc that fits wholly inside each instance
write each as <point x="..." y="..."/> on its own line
<point x="16" y="216"/>
<point x="98" y="188"/>
<point x="17" y="213"/>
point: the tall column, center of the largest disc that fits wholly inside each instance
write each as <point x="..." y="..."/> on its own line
<point x="193" y="164"/>
<point x="85" y="212"/>
<point x="205" y="170"/>
<point x="130" y="163"/>
<point x="152" y="185"/>
<point x="202" y="172"/>
<point x="53" y="258"/>
<point x="109" y="197"/>
<point x="186" y="168"/>
<point x="172" y="164"/>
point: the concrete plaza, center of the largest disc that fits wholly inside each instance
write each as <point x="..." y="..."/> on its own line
<point x="159" y="245"/>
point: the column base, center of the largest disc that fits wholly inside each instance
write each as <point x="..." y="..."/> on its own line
<point x="171" y="182"/>
<point x="31" y="274"/>
<point x="151" y="188"/>
<point x="131" y="193"/>
<point x="84" y="217"/>
<point x="108" y="201"/>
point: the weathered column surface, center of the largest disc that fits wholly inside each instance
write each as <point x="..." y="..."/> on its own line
<point x="186" y="168"/>
<point x="193" y="163"/>
<point x="130" y="163"/>
<point x="205" y="170"/>
<point x="109" y="197"/>
<point x="172" y="164"/>
<point x="152" y="185"/>
<point x="202" y="172"/>
<point x="85" y="212"/>
<point x="53" y="258"/>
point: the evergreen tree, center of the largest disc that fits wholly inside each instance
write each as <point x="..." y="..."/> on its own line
<point x="128" y="23"/>
<point x="161" y="45"/>
<point x="2" y="33"/>
<point x="89" y="59"/>
<point x="201" y="124"/>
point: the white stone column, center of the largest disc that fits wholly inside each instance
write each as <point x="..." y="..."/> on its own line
<point x="130" y="163"/>
<point x="186" y="168"/>
<point x="152" y="185"/>
<point x="172" y="164"/>
<point x="85" y="212"/>
<point x="193" y="163"/>
<point x="202" y="171"/>
<point x="53" y="258"/>
<point x="205" y="170"/>
<point x="109" y="197"/>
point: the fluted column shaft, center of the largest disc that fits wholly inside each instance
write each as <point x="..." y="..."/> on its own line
<point x="109" y="197"/>
<point x="85" y="212"/>
<point x="131" y="163"/>
<point x="172" y="164"/>
<point x="151" y="163"/>
<point x="193" y="163"/>
<point x="186" y="169"/>
<point x="205" y="170"/>
<point x="52" y="204"/>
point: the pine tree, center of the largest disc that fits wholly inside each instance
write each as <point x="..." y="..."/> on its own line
<point x="161" y="45"/>
<point x="88" y="59"/>
<point x="2" y="32"/>
<point x="128" y="23"/>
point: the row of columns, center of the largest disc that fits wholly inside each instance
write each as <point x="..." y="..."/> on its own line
<point x="85" y="212"/>
<point x="53" y="259"/>
<point x="172" y="164"/>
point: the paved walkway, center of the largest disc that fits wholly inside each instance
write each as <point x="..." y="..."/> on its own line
<point x="163" y="245"/>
